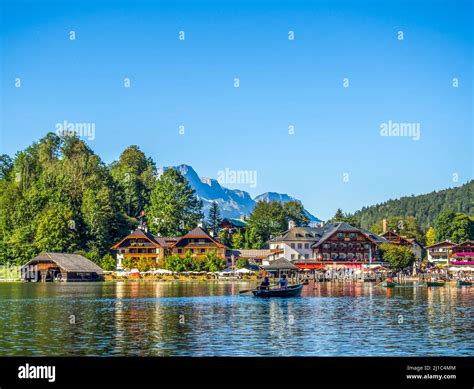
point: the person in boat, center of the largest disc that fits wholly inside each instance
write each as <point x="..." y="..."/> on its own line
<point x="265" y="284"/>
<point x="283" y="282"/>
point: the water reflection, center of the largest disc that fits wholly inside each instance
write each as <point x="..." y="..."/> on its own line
<point x="207" y="319"/>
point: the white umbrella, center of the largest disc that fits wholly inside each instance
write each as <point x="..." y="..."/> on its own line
<point x="244" y="270"/>
<point x="452" y="268"/>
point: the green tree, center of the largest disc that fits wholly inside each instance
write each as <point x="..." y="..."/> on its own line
<point x="399" y="257"/>
<point x="294" y="211"/>
<point x="241" y="262"/>
<point x="128" y="263"/>
<point x="175" y="263"/>
<point x="444" y="225"/>
<point x="134" y="174"/>
<point x="268" y="219"/>
<point x="225" y="237"/>
<point x="238" y="240"/>
<point x="214" y="263"/>
<point x="6" y="166"/>
<point x="214" y="219"/>
<point x="174" y="208"/>
<point x="108" y="262"/>
<point x="56" y="229"/>
<point x="98" y="214"/>
<point x="461" y="228"/>
<point x="340" y="216"/>
<point x="430" y="236"/>
<point x="145" y="264"/>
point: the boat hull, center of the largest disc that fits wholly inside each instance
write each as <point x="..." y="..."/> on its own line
<point x="464" y="283"/>
<point x="291" y="291"/>
<point x="435" y="283"/>
<point x="389" y="284"/>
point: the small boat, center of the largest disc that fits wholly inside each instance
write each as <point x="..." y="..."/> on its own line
<point x="464" y="283"/>
<point x="389" y="284"/>
<point x="290" y="291"/>
<point x="435" y="283"/>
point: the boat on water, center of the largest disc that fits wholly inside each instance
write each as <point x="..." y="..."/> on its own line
<point x="389" y="284"/>
<point x="464" y="283"/>
<point x="289" y="291"/>
<point x="435" y="283"/>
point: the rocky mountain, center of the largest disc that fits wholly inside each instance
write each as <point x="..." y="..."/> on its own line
<point x="232" y="202"/>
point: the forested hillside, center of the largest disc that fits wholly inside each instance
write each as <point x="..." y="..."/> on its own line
<point x="425" y="208"/>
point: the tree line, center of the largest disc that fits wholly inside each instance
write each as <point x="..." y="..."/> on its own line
<point x="58" y="195"/>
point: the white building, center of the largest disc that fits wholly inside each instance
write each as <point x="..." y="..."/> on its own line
<point x="296" y="242"/>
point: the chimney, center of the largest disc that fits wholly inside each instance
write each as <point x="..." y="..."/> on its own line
<point x="200" y="225"/>
<point x="291" y="224"/>
<point x="384" y="226"/>
<point x="211" y="233"/>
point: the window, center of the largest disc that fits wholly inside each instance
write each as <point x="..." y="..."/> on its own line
<point x="292" y="245"/>
<point x="306" y="256"/>
<point x="292" y="256"/>
<point x="300" y="246"/>
<point x="340" y="236"/>
<point x="306" y="245"/>
<point x="180" y="251"/>
<point x="203" y="251"/>
<point x="352" y="236"/>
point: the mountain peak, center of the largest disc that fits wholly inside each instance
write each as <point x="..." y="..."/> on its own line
<point x="233" y="202"/>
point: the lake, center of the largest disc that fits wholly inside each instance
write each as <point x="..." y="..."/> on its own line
<point x="211" y="319"/>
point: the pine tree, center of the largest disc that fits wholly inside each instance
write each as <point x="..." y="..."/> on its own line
<point x="214" y="219"/>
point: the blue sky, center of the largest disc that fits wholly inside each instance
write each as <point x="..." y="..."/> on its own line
<point x="282" y="82"/>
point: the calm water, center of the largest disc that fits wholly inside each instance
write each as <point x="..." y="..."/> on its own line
<point x="202" y="319"/>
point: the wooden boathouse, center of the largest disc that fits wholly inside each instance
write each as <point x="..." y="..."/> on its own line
<point x="48" y="267"/>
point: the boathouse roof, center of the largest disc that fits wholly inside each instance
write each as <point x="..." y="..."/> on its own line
<point x="67" y="262"/>
<point x="280" y="264"/>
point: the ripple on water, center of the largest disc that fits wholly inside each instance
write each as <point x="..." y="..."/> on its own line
<point x="203" y="319"/>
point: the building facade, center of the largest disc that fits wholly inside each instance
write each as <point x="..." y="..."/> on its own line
<point x="439" y="253"/>
<point x="348" y="244"/>
<point x="198" y="242"/>
<point x="395" y="238"/>
<point x="296" y="243"/>
<point x="333" y="243"/>
<point x="463" y="254"/>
